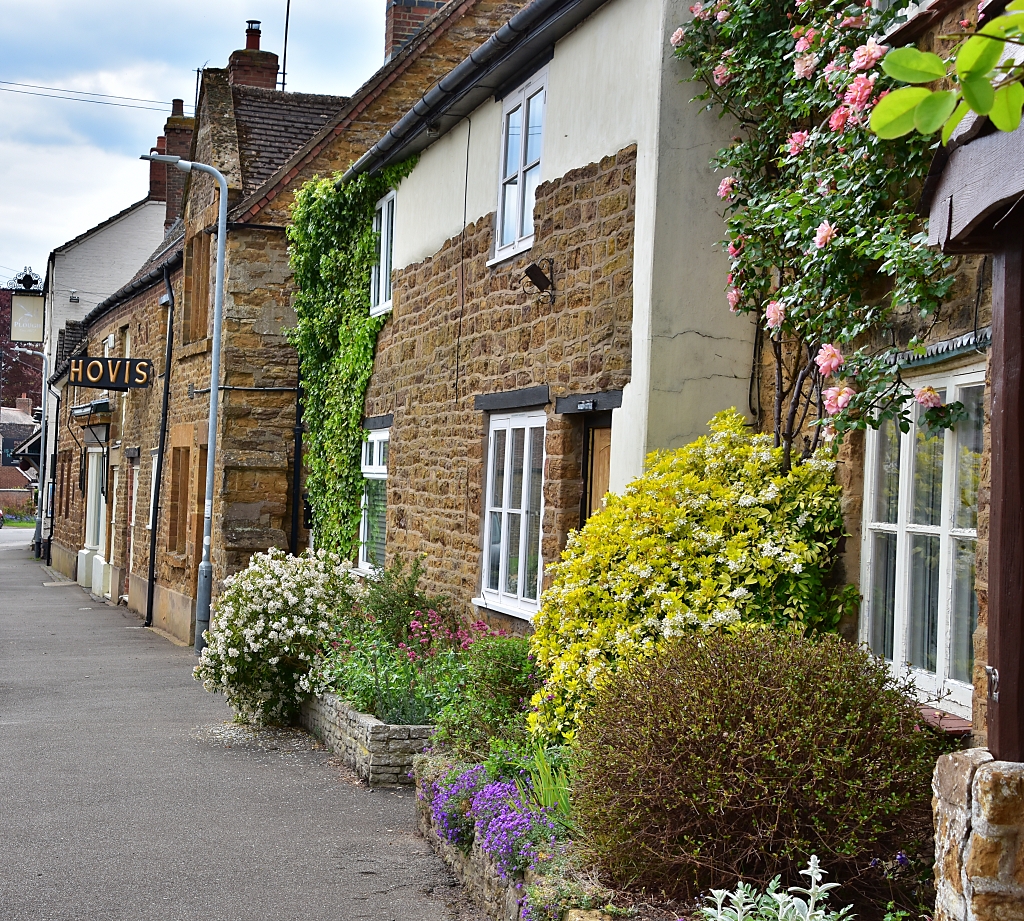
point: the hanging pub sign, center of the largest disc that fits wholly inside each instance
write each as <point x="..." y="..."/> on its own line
<point x="111" y="373"/>
<point x="27" y="317"/>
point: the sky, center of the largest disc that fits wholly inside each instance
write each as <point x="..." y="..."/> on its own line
<point x="66" y="166"/>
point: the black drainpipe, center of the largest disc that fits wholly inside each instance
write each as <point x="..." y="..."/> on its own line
<point x="297" y="465"/>
<point x="48" y="542"/>
<point x="160" y="448"/>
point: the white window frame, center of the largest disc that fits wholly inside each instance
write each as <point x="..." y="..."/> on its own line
<point x="500" y="599"/>
<point x="939" y="689"/>
<point x="518" y="99"/>
<point x="95" y="504"/>
<point x="374" y="466"/>
<point x="152" y="489"/>
<point x="380" y="274"/>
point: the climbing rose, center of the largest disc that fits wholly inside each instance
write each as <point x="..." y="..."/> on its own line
<point x="774" y="313"/>
<point x="859" y="92"/>
<point x="837" y="398"/>
<point x="928" y="397"/>
<point x="825" y="234"/>
<point x="837" y="120"/>
<point x="722" y="15"/>
<point x="677" y="38"/>
<point x="804" y="65"/>
<point x="699" y="12"/>
<point x="867" y="56"/>
<point x="853" y="22"/>
<point x="721" y="75"/>
<point x="805" y="41"/>
<point x="829" y="360"/>
<point x="831" y="69"/>
<point x="733" y="295"/>
<point x="727" y="187"/>
<point x="736" y="248"/>
<point x="796" y="142"/>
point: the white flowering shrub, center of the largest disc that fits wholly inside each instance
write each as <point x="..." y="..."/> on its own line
<point x="713" y="534"/>
<point x="268" y="628"/>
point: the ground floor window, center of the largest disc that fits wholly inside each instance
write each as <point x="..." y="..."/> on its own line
<point x="373" y="523"/>
<point x="95" y="501"/>
<point x="514" y="496"/>
<point x="920" y="537"/>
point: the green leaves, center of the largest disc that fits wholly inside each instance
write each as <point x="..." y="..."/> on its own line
<point x="908" y="65"/>
<point x="1006" y="107"/>
<point x="895" y="115"/>
<point x="932" y="112"/>
<point x="957" y="117"/>
<point x="978" y="56"/>
<point x="978" y="93"/>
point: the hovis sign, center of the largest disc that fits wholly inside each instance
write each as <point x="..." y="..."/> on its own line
<point x="111" y="373"/>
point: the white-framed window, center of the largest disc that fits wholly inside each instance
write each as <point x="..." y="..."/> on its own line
<point x="919" y="540"/>
<point x="380" y="274"/>
<point x="95" y="506"/>
<point x="513" y="569"/>
<point x="522" y="137"/>
<point x="373" y="521"/>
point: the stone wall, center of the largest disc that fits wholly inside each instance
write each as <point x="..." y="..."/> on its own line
<point x="978" y="806"/>
<point x="460" y="328"/>
<point x="379" y="753"/>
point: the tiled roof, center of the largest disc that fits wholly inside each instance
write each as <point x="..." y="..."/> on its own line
<point x="273" y="125"/>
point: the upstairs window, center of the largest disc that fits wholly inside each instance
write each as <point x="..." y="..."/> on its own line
<point x="515" y="488"/>
<point x="920" y="538"/>
<point x="522" y="135"/>
<point x="195" y="317"/>
<point x="373" y="521"/>
<point x="380" y="275"/>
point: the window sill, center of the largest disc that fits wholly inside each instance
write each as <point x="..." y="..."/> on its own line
<point x="945" y="722"/>
<point x="524" y="246"/>
<point x="510" y="610"/>
<point x="188" y="349"/>
<point x="381" y="309"/>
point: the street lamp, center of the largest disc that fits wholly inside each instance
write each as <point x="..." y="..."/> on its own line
<point x="204" y="588"/>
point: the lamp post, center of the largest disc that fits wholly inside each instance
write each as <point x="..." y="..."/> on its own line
<point x="204" y="588"/>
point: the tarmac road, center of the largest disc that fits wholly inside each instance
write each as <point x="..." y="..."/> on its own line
<point x="125" y="792"/>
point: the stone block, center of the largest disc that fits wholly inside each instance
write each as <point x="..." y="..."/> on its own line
<point x="999" y="794"/>
<point x="997" y="906"/>
<point x="954" y="775"/>
<point x="984" y="857"/>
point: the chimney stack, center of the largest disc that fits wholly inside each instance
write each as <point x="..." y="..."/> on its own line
<point x="403" y="19"/>
<point x="178" y="142"/>
<point x="252" y="67"/>
<point x="158" y="173"/>
<point x="23" y="404"/>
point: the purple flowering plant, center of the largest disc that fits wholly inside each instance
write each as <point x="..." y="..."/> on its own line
<point x="451" y="800"/>
<point x="510" y="831"/>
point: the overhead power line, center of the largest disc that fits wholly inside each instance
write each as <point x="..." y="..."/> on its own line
<point x="56" y="92"/>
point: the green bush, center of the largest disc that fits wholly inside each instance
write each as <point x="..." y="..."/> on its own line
<point x="394" y="594"/>
<point x="714" y="534"/>
<point x="731" y="757"/>
<point x="499" y="680"/>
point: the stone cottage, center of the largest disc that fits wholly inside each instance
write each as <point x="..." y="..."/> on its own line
<point x="553" y="297"/>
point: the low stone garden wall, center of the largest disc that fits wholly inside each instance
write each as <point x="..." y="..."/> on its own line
<point x="979" y="838"/>
<point x="379" y="753"/>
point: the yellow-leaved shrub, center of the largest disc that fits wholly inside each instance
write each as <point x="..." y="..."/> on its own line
<point x="714" y="535"/>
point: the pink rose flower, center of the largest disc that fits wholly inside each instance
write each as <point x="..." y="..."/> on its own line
<point x="867" y="56"/>
<point x="837" y="120"/>
<point x="699" y="12"/>
<point x="824" y="235"/>
<point x="736" y="248"/>
<point x="722" y="15"/>
<point x="858" y="94"/>
<point x="837" y="398"/>
<point x="796" y="142"/>
<point x="965" y="23"/>
<point x="853" y="22"/>
<point x="928" y="397"/>
<point x="804" y="65"/>
<point x="829" y="360"/>
<point x="733" y="296"/>
<point x="727" y="188"/>
<point x="806" y="41"/>
<point x="774" y="314"/>
<point x="832" y="68"/>
<point x="677" y="38"/>
<point x="721" y="75"/>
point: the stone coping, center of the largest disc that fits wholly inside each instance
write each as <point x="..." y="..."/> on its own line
<point x="379" y="753"/>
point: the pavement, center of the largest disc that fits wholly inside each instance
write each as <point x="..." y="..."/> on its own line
<point x="127" y="793"/>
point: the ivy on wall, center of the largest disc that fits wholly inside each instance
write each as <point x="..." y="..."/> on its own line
<point x="333" y="248"/>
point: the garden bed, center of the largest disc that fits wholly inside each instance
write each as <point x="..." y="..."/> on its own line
<point x="379" y="753"/>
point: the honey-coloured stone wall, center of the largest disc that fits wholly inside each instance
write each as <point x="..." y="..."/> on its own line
<point x="461" y="328"/>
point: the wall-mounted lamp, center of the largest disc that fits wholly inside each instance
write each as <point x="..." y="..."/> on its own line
<point x="74" y="299"/>
<point x="542" y="281"/>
